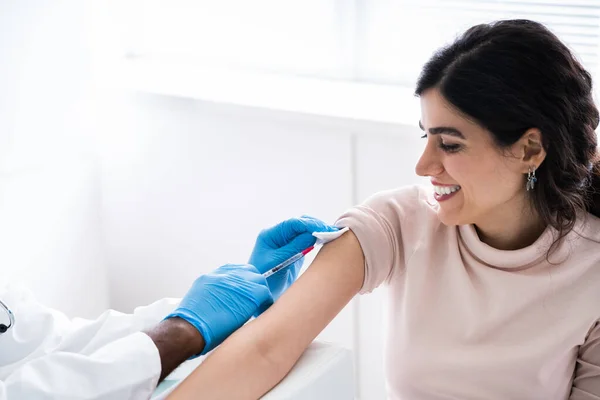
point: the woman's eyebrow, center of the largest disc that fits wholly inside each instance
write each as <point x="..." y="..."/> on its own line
<point x="446" y="130"/>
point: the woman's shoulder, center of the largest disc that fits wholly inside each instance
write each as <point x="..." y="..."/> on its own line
<point x="408" y="208"/>
<point x="405" y="199"/>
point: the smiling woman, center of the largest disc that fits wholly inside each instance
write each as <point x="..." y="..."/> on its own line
<point x="512" y="110"/>
<point x="474" y="180"/>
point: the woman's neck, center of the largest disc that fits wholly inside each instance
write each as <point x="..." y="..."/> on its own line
<point x="511" y="232"/>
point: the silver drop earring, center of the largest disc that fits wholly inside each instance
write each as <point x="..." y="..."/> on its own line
<point x="531" y="179"/>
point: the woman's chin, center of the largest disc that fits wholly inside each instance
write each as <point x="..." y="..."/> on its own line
<point x="449" y="217"/>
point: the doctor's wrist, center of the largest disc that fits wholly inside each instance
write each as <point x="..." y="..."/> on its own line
<point x="176" y="340"/>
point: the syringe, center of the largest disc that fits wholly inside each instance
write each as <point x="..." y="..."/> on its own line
<point x="287" y="262"/>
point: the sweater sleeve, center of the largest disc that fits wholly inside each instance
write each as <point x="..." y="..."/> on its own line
<point x="379" y="224"/>
<point x="586" y="381"/>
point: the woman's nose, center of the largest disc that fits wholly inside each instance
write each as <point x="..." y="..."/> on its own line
<point x="429" y="163"/>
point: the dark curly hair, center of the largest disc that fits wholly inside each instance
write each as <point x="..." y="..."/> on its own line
<point x="512" y="75"/>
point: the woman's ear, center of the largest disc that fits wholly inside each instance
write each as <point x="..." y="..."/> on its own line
<point x="530" y="149"/>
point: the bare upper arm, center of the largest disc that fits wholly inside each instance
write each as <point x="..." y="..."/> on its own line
<point x="334" y="278"/>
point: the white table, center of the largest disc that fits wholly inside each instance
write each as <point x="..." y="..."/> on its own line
<point x="323" y="372"/>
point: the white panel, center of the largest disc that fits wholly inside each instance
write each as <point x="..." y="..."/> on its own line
<point x="49" y="189"/>
<point x="50" y="238"/>
<point x="383" y="162"/>
<point x="188" y="186"/>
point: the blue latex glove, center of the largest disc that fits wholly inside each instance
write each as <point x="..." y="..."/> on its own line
<point x="280" y="242"/>
<point x="220" y="302"/>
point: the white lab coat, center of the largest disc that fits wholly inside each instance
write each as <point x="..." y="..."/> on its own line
<point x="48" y="356"/>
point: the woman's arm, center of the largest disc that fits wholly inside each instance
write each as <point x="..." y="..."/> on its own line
<point x="586" y="380"/>
<point x="259" y="355"/>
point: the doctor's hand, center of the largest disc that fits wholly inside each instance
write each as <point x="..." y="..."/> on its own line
<point x="220" y="302"/>
<point x="280" y="242"/>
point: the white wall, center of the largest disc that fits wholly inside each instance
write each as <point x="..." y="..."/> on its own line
<point x="50" y="229"/>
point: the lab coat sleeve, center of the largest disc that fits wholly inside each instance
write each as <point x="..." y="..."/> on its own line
<point x="54" y="357"/>
<point x="125" y="369"/>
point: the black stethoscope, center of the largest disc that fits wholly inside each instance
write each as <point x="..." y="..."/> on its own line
<point x="11" y="319"/>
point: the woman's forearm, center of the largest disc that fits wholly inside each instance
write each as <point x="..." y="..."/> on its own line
<point x="260" y="354"/>
<point x="239" y="369"/>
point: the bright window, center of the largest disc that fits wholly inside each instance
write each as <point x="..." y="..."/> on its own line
<point x="296" y="37"/>
<point x="400" y="35"/>
<point x="383" y="41"/>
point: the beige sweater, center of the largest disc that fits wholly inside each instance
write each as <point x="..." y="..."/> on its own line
<point x="467" y="321"/>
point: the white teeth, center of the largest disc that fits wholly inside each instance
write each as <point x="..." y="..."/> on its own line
<point x="444" y="190"/>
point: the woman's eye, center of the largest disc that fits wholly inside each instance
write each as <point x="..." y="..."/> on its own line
<point x="450" y="148"/>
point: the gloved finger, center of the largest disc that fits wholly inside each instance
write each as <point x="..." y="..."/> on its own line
<point x="237" y="267"/>
<point x="264" y="307"/>
<point x="245" y="280"/>
<point x="285" y="279"/>
<point x="264" y="297"/>
<point x="295" y="246"/>
<point x="316" y="225"/>
<point x="247" y="272"/>
<point x="290" y="228"/>
<point x="233" y="268"/>
<point x="252" y="274"/>
<point x="287" y="275"/>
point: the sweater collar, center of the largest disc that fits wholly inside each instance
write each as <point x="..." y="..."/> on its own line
<point x="509" y="259"/>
